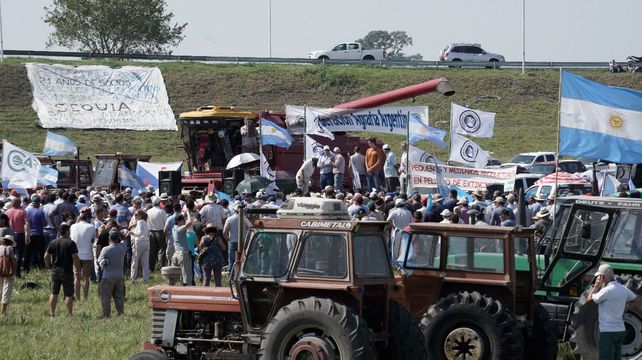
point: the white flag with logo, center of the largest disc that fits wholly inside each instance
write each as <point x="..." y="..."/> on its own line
<point x="419" y="155"/>
<point x="467" y="152"/>
<point x="471" y="122"/>
<point x="19" y="167"/>
<point x="266" y="170"/>
<point x="312" y="148"/>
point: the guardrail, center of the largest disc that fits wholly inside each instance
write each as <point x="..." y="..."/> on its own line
<point x="245" y="59"/>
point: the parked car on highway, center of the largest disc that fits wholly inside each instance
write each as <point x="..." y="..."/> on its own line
<point x="348" y="51"/>
<point x="469" y="52"/>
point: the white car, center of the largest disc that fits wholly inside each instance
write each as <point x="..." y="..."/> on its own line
<point x="468" y="52"/>
<point x="527" y="160"/>
<point x="348" y="51"/>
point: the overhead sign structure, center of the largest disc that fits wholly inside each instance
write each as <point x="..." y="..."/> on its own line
<point x="99" y="97"/>
<point x="386" y="119"/>
<point x="423" y="175"/>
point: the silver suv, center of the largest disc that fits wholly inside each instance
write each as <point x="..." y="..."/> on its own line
<point x="468" y="52"/>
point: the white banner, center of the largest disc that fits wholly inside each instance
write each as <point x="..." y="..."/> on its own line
<point x="471" y="122"/>
<point x="266" y="170"/>
<point x="467" y="152"/>
<point x="419" y="155"/>
<point x="422" y="175"/>
<point x="19" y="167"/>
<point x="99" y="97"/>
<point x="313" y="148"/>
<point x="387" y="119"/>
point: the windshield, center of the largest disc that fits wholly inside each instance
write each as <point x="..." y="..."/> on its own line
<point x="211" y="144"/>
<point x="269" y="254"/>
<point x="522" y="159"/>
<point x="627" y="242"/>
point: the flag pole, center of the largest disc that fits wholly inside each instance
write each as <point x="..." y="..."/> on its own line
<point x="557" y="157"/>
<point x="77" y="168"/>
<point x="305" y="133"/>
<point x="406" y="189"/>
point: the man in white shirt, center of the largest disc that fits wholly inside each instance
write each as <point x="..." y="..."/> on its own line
<point x="156" y="218"/>
<point x="400" y="218"/>
<point x="326" y="162"/>
<point x="213" y="213"/>
<point x="83" y="233"/>
<point x="357" y="164"/>
<point x="304" y="175"/>
<point x="611" y="302"/>
<point x="390" y="169"/>
<point x="338" y="169"/>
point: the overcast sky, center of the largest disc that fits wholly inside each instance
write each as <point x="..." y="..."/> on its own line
<point x="556" y="30"/>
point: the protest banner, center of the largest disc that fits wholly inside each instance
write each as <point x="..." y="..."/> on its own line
<point x="386" y="119"/>
<point x="422" y="175"/>
<point x="99" y="97"/>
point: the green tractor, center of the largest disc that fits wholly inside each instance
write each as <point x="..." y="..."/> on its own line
<point x="588" y="231"/>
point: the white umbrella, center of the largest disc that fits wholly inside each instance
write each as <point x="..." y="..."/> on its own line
<point x="241" y="159"/>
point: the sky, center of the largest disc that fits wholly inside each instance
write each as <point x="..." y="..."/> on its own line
<point x="556" y="30"/>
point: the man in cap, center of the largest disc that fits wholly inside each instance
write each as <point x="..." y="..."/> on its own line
<point x="156" y="218"/>
<point x="83" y="233"/>
<point x="231" y="233"/>
<point x="112" y="284"/>
<point x="390" y="172"/>
<point x="62" y="257"/>
<point x="213" y="212"/>
<point x="478" y="198"/>
<point x="375" y="159"/>
<point x="338" y="168"/>
<point x="304" y="174"/>
<point x="462" y="204"/>
<point x="533" y="204"/>
<point x="357" y="165"/>
<point x="7" y="243"/>
<point x="37" y="221"/>
<point x="400" y="218"/>
<point x="611" y="298"/>
<point x="357" y="204"/>
<point x="498" y="210"/>
<point x="447" y="215"/>
<point x="542" y="221"/>
<point x="505" y="217"/>
<point x="326" y="162"/>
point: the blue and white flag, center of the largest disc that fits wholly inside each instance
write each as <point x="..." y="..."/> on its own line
<point x="265" y="168"/>
<point x="148" y="171"/>
<point x="58" y="145"/>
<point x="471" y="122"/>
<point x="313" y="148"/>
<point x="47" y="176"/>
<point x="271" y="134"/>
<point x="127" y="178"/>
<point x="19" y="167"/>
<point x="442" y="187"/>
<point x="419" y="130"/>
<point x="600" y="121"/>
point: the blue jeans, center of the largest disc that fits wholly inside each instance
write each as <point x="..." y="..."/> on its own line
<point x="233" y="247"/>
<point x="374" y="181"/>
<point x="49" y="234"/>
<point x="326" y="179"/>
<point x="338" y="182"/>
<point x="20" y="252"/>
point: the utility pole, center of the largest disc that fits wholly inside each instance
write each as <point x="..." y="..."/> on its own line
<point x="270" y="28"/>
<point x="523" y="37"/>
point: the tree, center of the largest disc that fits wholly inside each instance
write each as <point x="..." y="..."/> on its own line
<point x="392" y="42"/>
<point x="113" y="26"/>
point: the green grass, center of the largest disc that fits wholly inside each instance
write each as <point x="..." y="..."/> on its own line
<point x="526" y="105"/>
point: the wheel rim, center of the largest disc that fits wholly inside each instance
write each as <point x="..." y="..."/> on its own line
<point x="312" y="346"/>
<point x="464" y="343"/>
<point x="632" y="345"/>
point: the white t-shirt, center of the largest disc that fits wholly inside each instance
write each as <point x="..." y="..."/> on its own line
<point x="611" y="301"/>
<point x="83" y="234"/>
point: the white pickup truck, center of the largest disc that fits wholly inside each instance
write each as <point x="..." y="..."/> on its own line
<point x="348" y="51"/>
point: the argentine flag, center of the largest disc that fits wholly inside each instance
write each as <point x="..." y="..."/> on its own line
<point x="421" y="131"/>
<point x="271" y="134"/>
<point x="47" y="176"/>
<point x="58" y="145"/>
<point x="600" y="121"/>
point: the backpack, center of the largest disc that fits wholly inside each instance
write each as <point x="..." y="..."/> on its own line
<point x="7" y="264"/>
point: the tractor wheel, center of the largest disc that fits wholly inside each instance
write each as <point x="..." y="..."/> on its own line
<point x="317" y="328"/>
<point x="406" y="340"/>
<point x="543" y="344"/>
<point x="468" y="325"/>
<point x="149" y="355"/>
<point x="585" y="330"/>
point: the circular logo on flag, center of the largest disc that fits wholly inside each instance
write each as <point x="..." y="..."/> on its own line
<point x="19" y="161"/>
<point x="300" y="120"/>
<point x="469" y="151"/>
<point x="425" y="157"/>
<point x="469" y="121"/>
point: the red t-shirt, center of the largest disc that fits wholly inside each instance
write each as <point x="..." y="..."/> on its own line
<point x="17" y="220"/>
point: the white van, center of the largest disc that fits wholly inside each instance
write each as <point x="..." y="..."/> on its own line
<point x="542" y="191"/>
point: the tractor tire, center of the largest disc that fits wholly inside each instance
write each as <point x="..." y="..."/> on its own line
<point x="149" y="355"/>
<point x="585" y="329"/>
<point x="543" y="343"/>
<point x="468" y="325"/>
<point x="317" y="327"/>
<point x="406" y="340"/>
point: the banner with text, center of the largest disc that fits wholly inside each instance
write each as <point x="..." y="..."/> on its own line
<point x="99" y="97"/>
<point x="386" y="119"/>
<point x="422" y="175"/>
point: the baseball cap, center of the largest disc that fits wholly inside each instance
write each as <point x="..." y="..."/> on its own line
<point x="336" y="149"/>
<point x="463" y="201"/>
<point x="499" y="199"/>
<point x="399" y="202"/>
<point x="446" y="213"/>
<point x="605" y="269"/>
<point x="386" y="146"/>
<point x="326" y="147"/>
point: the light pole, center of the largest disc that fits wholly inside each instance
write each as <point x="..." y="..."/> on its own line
<point x="1" y="38"/>
<point x="270" y="28"/>
<point x="523" y="37"/>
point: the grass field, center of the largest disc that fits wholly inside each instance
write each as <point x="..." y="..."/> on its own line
<point x="30" y="334"/>
<point x="526" y="105"/>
